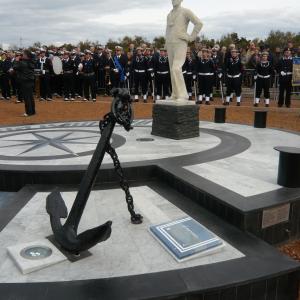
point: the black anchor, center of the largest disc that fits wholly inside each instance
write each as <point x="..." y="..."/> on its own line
<point x="66" y="235"/>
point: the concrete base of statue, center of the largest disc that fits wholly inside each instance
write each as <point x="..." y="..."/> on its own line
<point x="177" y="120"/>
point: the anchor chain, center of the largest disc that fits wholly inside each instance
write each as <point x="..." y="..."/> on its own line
<point x="135" y="218"/>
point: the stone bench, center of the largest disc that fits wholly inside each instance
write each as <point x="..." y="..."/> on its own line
<point x="289" y="167"/>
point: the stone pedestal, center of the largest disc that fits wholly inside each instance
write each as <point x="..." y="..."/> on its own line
<point x="176" y="121"/>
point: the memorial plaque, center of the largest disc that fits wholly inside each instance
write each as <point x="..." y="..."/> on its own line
<point x="277" y="215"/>
<point x="186" y="238"/>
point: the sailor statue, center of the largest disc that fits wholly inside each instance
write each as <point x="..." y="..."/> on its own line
<point x="177" y="40"/>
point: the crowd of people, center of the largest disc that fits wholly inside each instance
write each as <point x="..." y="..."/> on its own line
<point x="145" y="72"/>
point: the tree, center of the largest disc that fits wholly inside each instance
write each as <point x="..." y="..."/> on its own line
<point x="159" y="42"/>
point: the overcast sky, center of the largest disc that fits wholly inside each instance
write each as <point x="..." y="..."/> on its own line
<point x="59" y="21"/>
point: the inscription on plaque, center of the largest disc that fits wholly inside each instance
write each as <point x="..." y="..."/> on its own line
<point x="277" y="215"/>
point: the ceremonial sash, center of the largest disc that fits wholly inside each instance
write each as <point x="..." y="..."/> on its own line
<point x="120" y="68"/>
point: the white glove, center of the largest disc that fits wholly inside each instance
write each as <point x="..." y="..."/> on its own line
<point x="80" y="67"/>
<point x="43" y="72"/>
<point x="116" y="70"/>
<point x="152" y="75"/>
<point x="125" y="77"/>
<point x="282" y="73"/>
<point x="255" y="77"/>
<point x="194" y="77"/>
<point x="220" y="75"/>
<point x="127" y="74"/>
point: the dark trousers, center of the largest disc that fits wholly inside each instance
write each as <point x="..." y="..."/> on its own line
<point x="163" y="85"/>
<point x="79" y="85"/>
<point x="27" y="88"/>
<point x="45" y="87"/>
<point x="205" y="84"/>
<point x="140" y="81"/>
<point x="101" y="79"/>
<point x="116" y="81"/>
<point x="68" y="80"/>
<point x="5" y="86"/>
<point x="234" y="85"/>
<point x="89" y="86"/>
<point x="285" y="89"/>
<point x="57" y="84"/>
<point x="188" y="79"/>
<point x="263" y="84"/>
<point x="14" y="85"/>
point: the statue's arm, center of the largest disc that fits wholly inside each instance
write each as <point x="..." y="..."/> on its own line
<point x="197" y="24"/>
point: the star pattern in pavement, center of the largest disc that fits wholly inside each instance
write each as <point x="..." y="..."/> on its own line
<point x="58" y="142"/>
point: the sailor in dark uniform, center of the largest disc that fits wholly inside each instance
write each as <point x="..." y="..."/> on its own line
<point x="75" y="57"/>
<point x="263" y="74"/>
<point x="79" y="81"/>
<point x="285" y="71"/>
<point x="89" y="76"/>
<point x="24" y="68"/>
<point x="139" y="71"/>
<point x="233" y="69"/>
<point x="118" y="65"/>
<point x="188" y="70"/>
<point x="68" y="77"/>
<point x="218" y="62"/>
<point x="102" y="62"/>
<point x="150" y="59"/>
<point x="5" y="67"/>
<point x="44" y="65"/>
<point x="205" y="70"/>
<point x="162" y="75"/>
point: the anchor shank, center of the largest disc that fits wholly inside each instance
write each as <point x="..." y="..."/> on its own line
<point x="89" y="178"/>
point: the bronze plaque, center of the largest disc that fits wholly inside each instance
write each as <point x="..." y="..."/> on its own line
<point x="277" y="215"/>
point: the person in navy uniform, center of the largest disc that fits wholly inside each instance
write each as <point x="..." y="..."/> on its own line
<point x="205" y="70"/>
<point x="118" y="64"/>
<point x="44" y="65"/>
<point x="150" y="59"/>
<point x="89" y="76"/>
<point x="233" y="69"/>
<point x="5" y="67"/>
<point x="263" y="74"/>
<point x="285" y="71"/>
<point x="79" y="81"/>
<point x="188" y="70"/>
<point x="218" y="62"/>
<point x="102" y="62"/>
<point x="68" y="76"/>
<point x="139" y="72"/>
<point x="162" y="75"/>
<point x="24" y="68"/>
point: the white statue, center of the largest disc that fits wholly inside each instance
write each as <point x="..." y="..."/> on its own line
<point x="177" y="40"/>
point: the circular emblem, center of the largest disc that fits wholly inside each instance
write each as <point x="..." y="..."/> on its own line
<point x="40" y="144"/>
<point x="36" y="252"/>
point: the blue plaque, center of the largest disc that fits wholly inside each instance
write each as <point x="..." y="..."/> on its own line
<point x="186" y="238"/>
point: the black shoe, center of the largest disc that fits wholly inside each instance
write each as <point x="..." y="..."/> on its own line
<point x="231" y="100"/>
<point x="212" y="99"/>
<point x="238" y="104"/>
<point x="279" y="105"/>
<point x="145" y="101"/>
<point x="198" y="102"/>
<point x="288" y="105"/>
<point x="227" y="103"/>
<point x="207" y="103"/>
<point x="255" y="105"/>
<point x="267" y="105"/>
